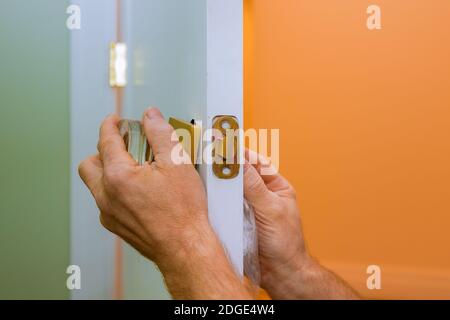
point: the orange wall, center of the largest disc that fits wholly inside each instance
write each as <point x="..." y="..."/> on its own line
<point x="365" y="131"/>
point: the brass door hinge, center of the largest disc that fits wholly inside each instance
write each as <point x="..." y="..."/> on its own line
<point x="118" y="65"/>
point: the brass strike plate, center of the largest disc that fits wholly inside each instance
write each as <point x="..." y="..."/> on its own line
<point x="226" y="147"/>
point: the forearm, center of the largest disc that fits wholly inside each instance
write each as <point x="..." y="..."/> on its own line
<point x="203" y="272"/>
<point x="307" y="279"/>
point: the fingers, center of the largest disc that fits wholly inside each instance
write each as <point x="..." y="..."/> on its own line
<point x="111" y="145"/>
<point x="255" y="190"/>
<point x="274" y="182"/>
<point x="159" y="134"/>
<point x="91" y="171"/>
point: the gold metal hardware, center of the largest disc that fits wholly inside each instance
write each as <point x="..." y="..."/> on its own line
<point x="138" y="147"/>
<point x="225" y="151"/>
<point x="190" y="146"/>
<point x="226" y="147"/>
<point x="135" y="141"/>
<point x="118" y="65"/>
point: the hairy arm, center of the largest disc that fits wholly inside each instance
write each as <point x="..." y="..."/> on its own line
<point x="308" y="280"/>
<point x="204" y="272"/>
<point x="160" y="209"/>
<point x="287" y="269"/>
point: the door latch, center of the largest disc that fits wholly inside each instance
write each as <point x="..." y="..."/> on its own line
<point x="137" y="145"/>
<point x="225" y="152"/>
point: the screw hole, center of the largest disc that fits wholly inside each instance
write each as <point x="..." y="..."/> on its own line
<point x="226" y="171"/>
<point x="226" y="125"/>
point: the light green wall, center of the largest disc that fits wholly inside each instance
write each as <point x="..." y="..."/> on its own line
<point x="34" y="149"/>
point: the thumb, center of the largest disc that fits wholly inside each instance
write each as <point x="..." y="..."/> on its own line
<point x="255" y="190"/>
<point x="159" y="134"/>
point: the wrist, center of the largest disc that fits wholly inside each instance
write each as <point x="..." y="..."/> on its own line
<point x="292" y="279"/>
<point x="307" y="279"/>
<point x="201" y="270"/>
<point x="193" y="243"/>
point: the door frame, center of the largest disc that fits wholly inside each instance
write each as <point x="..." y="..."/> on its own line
<point x="225" y="27"/>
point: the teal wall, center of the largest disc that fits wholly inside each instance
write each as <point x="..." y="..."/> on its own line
<point x="34" y="142"/>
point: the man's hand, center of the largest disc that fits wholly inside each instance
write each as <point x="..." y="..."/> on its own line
<point x="287" y="270"/>
<point x="161" y="210"/>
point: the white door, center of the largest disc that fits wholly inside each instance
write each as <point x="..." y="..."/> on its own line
<point x="184" y="57"/>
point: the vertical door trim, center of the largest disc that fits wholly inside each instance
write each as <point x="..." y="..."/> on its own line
<point x="225" y="97"/>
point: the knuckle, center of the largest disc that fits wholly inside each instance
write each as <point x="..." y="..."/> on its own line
<point x="115" y="177"/>
<point x="81" y="167"/>
<point x="105" y="143"/>
<point x="106" y="222"/>
<point x="256" y="186"/>
<point x="290" y="192"/>
<point x="293" y="194"/>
